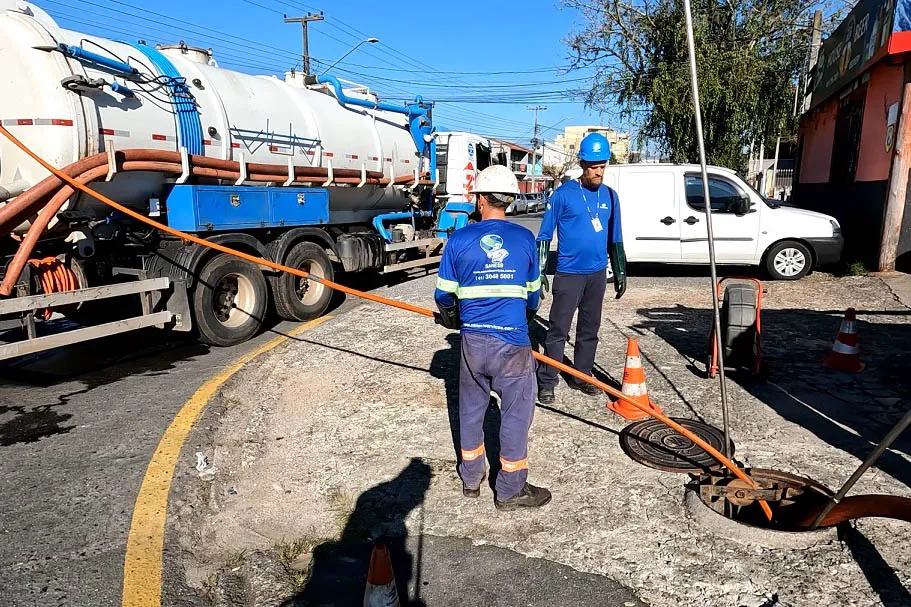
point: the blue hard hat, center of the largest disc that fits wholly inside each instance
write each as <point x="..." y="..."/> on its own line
<point x="594" y="148"/>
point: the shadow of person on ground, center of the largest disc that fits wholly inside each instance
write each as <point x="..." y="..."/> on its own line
<point x="339" y="573"/>
<point x="881" y="577"/>
<point x="445" y="366"/>
<point x="851" y="412"/>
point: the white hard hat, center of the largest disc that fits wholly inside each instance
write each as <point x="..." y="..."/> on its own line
<point x="496" y="179"/>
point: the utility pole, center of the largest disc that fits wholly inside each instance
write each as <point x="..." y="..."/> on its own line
<point x="813" y="56"/>
<point x="305" y="55"/>
<point x="534" y="144"/>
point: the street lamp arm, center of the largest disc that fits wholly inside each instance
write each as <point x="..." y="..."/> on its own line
<point x="351" y="50"/>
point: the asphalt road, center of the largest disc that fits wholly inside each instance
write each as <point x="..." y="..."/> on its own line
<point x="77" y="429"/>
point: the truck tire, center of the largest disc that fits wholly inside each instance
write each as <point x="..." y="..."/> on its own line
<point x="297" y="298"/>
<point x="229" y="301"/>
<point x="738" y="325"/>
<point x="788" y="260"/>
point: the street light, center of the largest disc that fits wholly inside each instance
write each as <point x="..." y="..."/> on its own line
<point x="353" y="48"/>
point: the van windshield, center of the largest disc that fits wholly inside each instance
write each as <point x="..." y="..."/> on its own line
<point x="768" y="203"/>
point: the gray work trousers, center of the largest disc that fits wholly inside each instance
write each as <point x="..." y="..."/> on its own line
<point x="572" y="292"/>
<point x="488" y="363"/>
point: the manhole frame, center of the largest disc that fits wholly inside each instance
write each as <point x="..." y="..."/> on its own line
<point x="745" y="533"/>
<point x="631" y="443"/>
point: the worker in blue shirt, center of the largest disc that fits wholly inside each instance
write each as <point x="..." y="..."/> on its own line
<point x="586" y="216"/>
<point x="489" y="286"/>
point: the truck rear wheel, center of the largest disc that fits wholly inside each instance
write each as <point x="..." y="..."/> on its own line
<point x="230" y="301"/>
<point x="297" y="298"/>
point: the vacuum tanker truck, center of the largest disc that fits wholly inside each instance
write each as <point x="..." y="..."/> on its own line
<point x="310" y="172"/>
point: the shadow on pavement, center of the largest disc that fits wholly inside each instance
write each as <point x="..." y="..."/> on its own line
<point x="93" y="365"/>
<point x="340" y="567"/>
<point x="851" y="412"/>
<point x="881" y="577"/>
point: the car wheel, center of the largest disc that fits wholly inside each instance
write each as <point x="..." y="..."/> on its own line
<point x="788" y="260"/>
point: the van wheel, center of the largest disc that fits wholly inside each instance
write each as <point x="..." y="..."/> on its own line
<point x="297" y="298"/>
<point x="788" y="260"/>
<point x="230" y="301"/>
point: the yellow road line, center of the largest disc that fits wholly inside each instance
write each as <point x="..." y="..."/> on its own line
<point x="142" y="565"/>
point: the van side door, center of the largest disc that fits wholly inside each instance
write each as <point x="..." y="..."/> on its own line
<point x="648" y="209"/>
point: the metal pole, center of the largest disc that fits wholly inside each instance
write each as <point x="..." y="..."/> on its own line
<point x="775" y="166"/>
<point x="893" y="434"/>
<point x="694" y="82"/>
<point x="306" y="46"/>
<point x="534" y="144"/>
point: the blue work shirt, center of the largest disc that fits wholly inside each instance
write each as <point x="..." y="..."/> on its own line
<point x="571" y="210"/>
<point x="492" y="268"/>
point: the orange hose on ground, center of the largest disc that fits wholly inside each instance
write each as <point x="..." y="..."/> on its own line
<point x="383" y="300"/>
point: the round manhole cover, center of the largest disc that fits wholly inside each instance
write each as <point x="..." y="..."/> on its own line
<point x="654" y="444"/>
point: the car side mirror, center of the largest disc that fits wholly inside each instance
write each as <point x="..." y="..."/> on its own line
<point x="743" y="206"/>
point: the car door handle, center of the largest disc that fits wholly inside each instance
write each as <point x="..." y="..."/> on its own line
<point x="668" y="220"/>
<point x="691" y="220"/>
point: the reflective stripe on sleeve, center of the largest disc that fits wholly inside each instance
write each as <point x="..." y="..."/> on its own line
<point x="450" y="286"/>
<point x="534" y="285"/>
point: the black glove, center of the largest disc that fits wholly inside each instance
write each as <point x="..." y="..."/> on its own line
<point x="618" y="264"/>
<point x="530" y="315"/>
<point x="448" y="317"/>
<point x="543" y="254"/>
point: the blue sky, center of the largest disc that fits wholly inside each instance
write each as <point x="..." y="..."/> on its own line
<point x="422" y="48"/>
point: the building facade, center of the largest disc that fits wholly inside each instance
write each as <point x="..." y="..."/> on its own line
<point x="620" y="142"/>
<point x="848" y="164"/>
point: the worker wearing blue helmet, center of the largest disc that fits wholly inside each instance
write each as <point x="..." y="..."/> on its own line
<point x="586" y="216"/>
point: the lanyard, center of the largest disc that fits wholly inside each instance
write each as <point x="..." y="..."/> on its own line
<point x="585" y="200"/>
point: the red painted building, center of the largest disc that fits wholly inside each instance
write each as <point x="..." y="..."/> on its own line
<point x="847" y="157"/>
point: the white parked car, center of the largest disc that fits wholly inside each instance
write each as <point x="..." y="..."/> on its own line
<point x="664" y="221"/>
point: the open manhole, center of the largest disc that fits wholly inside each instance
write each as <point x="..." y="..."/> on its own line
<point x="731" y="509"/>
<point x="652" y="443"/>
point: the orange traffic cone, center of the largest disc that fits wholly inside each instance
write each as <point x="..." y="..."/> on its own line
<point x="633" y="386"/>
<point x="845" y="355"/>
<point x="381" y="590"/>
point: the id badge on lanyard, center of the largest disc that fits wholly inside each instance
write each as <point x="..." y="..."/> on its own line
<point x="596" y="220"/>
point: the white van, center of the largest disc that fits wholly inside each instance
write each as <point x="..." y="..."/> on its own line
<point x="663" y="212"/>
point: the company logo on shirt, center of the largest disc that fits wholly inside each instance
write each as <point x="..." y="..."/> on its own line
<point x="493" y="246"/>
<point x="603" y="205"/>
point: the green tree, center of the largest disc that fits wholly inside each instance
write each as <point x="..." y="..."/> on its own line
<point x="750" y="56"/>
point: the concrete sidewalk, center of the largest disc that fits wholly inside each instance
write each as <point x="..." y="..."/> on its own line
<point x="347" y="433"/>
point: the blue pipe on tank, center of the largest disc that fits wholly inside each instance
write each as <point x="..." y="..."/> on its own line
<point x="419" y="120"/>
<point x="410" y="110"/>
<point x="379" y="219"/>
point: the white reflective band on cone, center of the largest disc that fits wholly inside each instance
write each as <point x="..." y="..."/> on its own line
<point x="634" y="389"/>
<point x="841" y="348"/>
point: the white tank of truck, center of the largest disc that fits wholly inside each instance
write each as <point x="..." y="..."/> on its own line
<point x="67" y="96"/>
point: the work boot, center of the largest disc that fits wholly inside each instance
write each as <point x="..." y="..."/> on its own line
<point x="583" y="387"/>
<point x="473" y="491"/>
<point x="546" y="396"/>
<point x="529" y="497"/>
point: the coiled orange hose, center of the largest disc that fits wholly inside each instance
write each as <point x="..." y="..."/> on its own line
<point x="383" y="300"/>
<point x="55" y="277"/>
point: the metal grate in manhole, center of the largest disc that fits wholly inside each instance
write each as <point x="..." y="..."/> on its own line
<point x="654" y="444"/>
